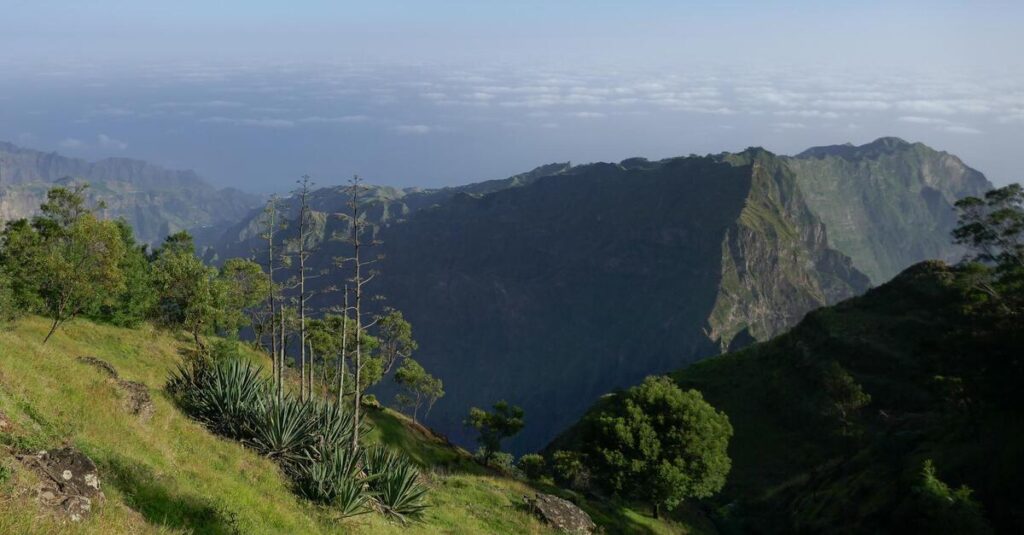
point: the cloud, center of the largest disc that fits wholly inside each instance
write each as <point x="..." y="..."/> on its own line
<point x="71" y="143"/>
<point x="790" y="126"/>
<point x="922" y="120"/>
<point x="959" y="129"/>
<point x="344" y="119"/>
<point x="263" y="122"/>
<point x="414" y="129"/>
<point x="108" y="142"/>
<point x="589" y="115"/>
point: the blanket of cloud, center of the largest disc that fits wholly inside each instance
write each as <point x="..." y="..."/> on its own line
<point x="258" y="125"/>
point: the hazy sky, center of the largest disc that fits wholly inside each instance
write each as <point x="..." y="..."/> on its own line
<point x="432" y="93"/>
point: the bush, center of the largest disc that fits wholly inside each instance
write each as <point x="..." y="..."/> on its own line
<point x="8" y="305"/>
<point x="570" y="470"/>
<point x="228" y="396"/>
<point x="332" y="479"/>
<point x="286" y="431"/>
<point x="934" y="507"/>
<point x="532" y="465"/>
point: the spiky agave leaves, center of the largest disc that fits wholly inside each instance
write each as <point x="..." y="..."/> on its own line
<point x="227" y="396"/>
<point x="333" y="478"/>
<point x="285" y="432"/>
<point x="333" y="424"/>
<point x="395" y="484"/>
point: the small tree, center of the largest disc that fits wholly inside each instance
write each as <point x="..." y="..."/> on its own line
<point x="493" y="427"/>
<point x="933" y="507"/>
<point x="190" y="295"/>
<point x="394" y="335"/>
<point x="659" y="444"/>
<point x="843" y="396"/>
<point x="245" y="287"/>
<point x="81" y="268"/>
<point x="993" y="228"/>
<point x="418" y="387"/>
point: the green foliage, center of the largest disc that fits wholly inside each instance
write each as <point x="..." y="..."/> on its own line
<point x="993" y="227"/>
<point x="532" y="465"/>
<point x="395" y="341"/>
<point x="395" y="483"/>
<point x="660" y="444"/>
<point x="229" y="396"/>
<point x="493" y="427"/>
<point x="132" y="305"/>
<point x="418" y="387"/>
<point x="8" y="305"/>
<point x="190" y="295"/>
<point x="843" y="397"/>
<point x="245" y="287"/>
<point x="570" y="470"/>
<point x="933" y="507"/>
<point x="332" y="478"/>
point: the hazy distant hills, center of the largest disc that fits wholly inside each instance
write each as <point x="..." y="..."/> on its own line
<point x="156" y="201"/>
<point x="553" y="287"/>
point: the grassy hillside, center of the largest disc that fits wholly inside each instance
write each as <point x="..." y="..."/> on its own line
<point x="170" y="475"/>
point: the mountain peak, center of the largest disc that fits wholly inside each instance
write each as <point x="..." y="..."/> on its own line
<point x="881" y="145"/>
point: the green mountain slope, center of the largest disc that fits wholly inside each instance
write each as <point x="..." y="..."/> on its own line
<point x="887" y="204"/>
<point x="170" y="475"/>
<point x="942" y="386"/>
<point x="154" y="200"/>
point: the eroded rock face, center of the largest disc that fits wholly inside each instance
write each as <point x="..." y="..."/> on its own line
<point x="71" y="483"/>
<point x="562" y="514"/>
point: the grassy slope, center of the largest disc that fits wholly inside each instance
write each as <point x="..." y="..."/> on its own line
<point x="169" y="475"/>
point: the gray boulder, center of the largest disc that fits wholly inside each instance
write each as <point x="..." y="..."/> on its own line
<point x="561" y="514"/>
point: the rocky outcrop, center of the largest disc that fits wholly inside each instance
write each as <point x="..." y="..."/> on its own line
<point x="70" y="482"/>
<point x="135" y="396"/>
<point x="561" y="514"/>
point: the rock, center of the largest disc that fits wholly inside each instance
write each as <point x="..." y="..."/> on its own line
<point x="101" y="364"/>
<point x="71" y="483"/>
<point x="136" y="400"/>
<point x="562" y="514"/>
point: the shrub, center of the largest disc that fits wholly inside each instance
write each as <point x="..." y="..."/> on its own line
<point x="532" y="465"/>
<point x="934" y="507"/>
<point x="228" y="396"/>
<point x="398" y="490"/>
<point x="570" y="470"/>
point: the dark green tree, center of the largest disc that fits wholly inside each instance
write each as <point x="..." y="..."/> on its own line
<point x="190" y="295"/>
<point x="134" y="303"/>
<point x="658" y="443"/>
<point x="493" y="427"/>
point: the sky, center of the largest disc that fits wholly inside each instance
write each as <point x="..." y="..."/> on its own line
<point x="433" y="93"/>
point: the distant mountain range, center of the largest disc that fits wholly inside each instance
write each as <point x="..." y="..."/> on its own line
<point x="553" y="287"/>
<point x="156" y="201"/>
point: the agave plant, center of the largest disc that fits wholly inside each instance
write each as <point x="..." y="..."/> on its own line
<point x="286" y="431"/>
<point x="333" y="479"/>
<point x="334" y="424"/>
<point x="227" y="396"/>
<point x="395" y="484"/>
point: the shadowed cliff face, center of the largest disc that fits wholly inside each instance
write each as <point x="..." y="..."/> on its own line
<point x="551" y="288"/>
<point x="552" y="294"/>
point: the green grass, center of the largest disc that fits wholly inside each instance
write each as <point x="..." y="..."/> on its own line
<point x="170" y="475"/>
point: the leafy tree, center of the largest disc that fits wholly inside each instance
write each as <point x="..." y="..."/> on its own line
<point x="418" y="386"/>
<point x="21" y="256"/>
<point x="993" y="228"/>
<point x="80" y="262"/>
<point x="843" y="396"/>
<point x="190" y="295"/>
<point x="570" y="470"/>
<point x="394" y="335"/>
<point x="493" y="427"/>
<point x="933" y="507"/>
<point x="660" y="444"/>
<point x="133" y="304"/>
<point x="245" y="287"/>
<point x="532" y="465"/>
<point x="8" y="306"/>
